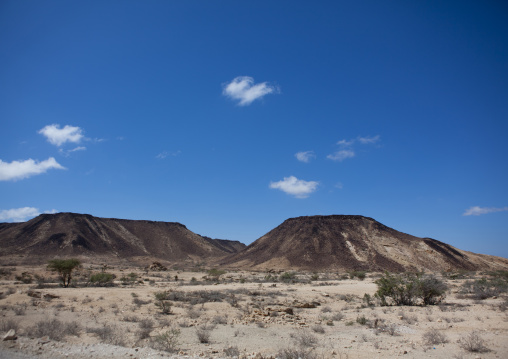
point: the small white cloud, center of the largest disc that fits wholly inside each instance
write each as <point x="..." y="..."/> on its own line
<point x="165" y="154"/>
<point x="68" y="152"/>
<point x="305" y="156"/>
<point x="242" y="88"/>
<point x="339" y="185"/>
<point x="18" y="214"/>
<point x="23" y="169"/>
<point x="58" y="136"/>
<point x="52" y="211"/>
<point x="368" y="140"/>
<point x="345" y="143"/>
<point x="341" y="155"/>
<point x="476" y="210"/>
<point x="295" y="187"/>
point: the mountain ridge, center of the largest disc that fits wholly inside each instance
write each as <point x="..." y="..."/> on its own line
<point x="72" y="234"/>
<point x="352" y="242"/>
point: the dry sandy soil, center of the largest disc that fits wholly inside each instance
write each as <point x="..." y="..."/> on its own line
<point x="244" y="315"/>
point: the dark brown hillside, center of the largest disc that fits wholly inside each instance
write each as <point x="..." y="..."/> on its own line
<point x="70" y="234"/>
<point x="352" y="242"/>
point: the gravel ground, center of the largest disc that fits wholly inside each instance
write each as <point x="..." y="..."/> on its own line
<point x="25" y="348"/>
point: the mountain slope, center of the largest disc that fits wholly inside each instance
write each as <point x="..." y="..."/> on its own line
<point x="70" y="234"/>
<point x="352" y="242"/>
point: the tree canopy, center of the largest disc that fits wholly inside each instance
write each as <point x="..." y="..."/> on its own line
<point x="64" y="267"/>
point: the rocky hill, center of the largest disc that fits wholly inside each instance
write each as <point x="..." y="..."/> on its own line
<point x="70" y="234"/>
<point x="352" y="242"/>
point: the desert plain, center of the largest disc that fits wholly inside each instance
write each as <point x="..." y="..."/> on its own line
<point x="216" y="313"/>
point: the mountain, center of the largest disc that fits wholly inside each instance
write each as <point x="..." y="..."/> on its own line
<point x="71" y="234"/>
<point x="352" y="243"/>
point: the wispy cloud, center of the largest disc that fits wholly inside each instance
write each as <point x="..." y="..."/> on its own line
<point x="305" y="156"/>
<point x="476" y="210"/>
<point x="17" y="170"/>
<point x="58" y="136"/>
<point x="295" y="187"/>
<point x="68" y="152"/>
<point x="242" y="88"/>
<point x="341" y="155"/>
<point x="346" y="147"/>
<point x="165" y="154"/>
<point x="368" y="140"/>
<point x="21" y="214"/>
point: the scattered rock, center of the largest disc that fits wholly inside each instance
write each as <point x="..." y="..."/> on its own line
<point x="157" y="267"/>
<point x="11" y="335"/>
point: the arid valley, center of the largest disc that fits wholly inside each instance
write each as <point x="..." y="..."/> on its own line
<point x="314" y="287"/>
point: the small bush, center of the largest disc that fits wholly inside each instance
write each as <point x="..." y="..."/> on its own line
<point x="473" y="343"/>
<point x="102" y="279"/>
<point x="318" y="329"/>
<point x="52" y="328"/>
<point x="484" y="288"/>
<point x="8" y="324"/>
<point x="167" y="341"/>
<point x="108" y="334"/>
<point x="433" y="337"/>
<point x="288" y="277"/>
<point x="203" y="333"/>
<point x="304" y="338"/>
<point x="296" y="353"/>
<point x="232" y="352"/>
<point x="162" y="302"/>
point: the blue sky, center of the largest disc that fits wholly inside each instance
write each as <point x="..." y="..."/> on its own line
<point x="232" y="116"/>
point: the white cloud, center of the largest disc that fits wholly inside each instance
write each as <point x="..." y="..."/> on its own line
<point x="295" y="187"/>
<point x="165" y="154"/>
<point x="23" y="169"/>
<point x="368" y="140"/>
<point x="345" y="143"/>
<point x="58" y="136"/>
<point x="21" y="214"/>
<point x="18" y="214"/>
<point x="242" y="88"/>
<point x="476" y="210"/>
<point x="341" y="155"/>
<point x="305" y="156"/>
<point x="68" y="152"/>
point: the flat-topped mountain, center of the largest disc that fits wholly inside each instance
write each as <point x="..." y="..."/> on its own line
<point x="71" y="234"/>
<point x="353" y="242"/>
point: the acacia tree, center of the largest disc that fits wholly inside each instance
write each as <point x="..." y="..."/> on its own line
<point x="64" y="267"/>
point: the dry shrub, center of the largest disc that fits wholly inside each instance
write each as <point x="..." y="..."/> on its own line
<point x="8" y="324"/>
<point x="296" y="353"/>
<point x="433" y="337"/>
<point x="167" y="341"/>
<point x="203" y="333"/>
<point x="305" y="339"/>
<point x="52" y="328"/>
<point x="474" y="343"/>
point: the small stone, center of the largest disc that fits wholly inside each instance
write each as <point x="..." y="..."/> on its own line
<point x="11" y="335"/>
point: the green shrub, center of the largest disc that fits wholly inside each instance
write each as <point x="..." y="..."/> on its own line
<point x="410" y="289"/>
<point x="361" y="275"/>
<point x="162" y="302"/>
<point x="102" y="279"/>
<point x="287" y="277"/>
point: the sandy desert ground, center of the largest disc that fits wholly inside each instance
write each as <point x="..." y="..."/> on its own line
<point x="243" y="314"/>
